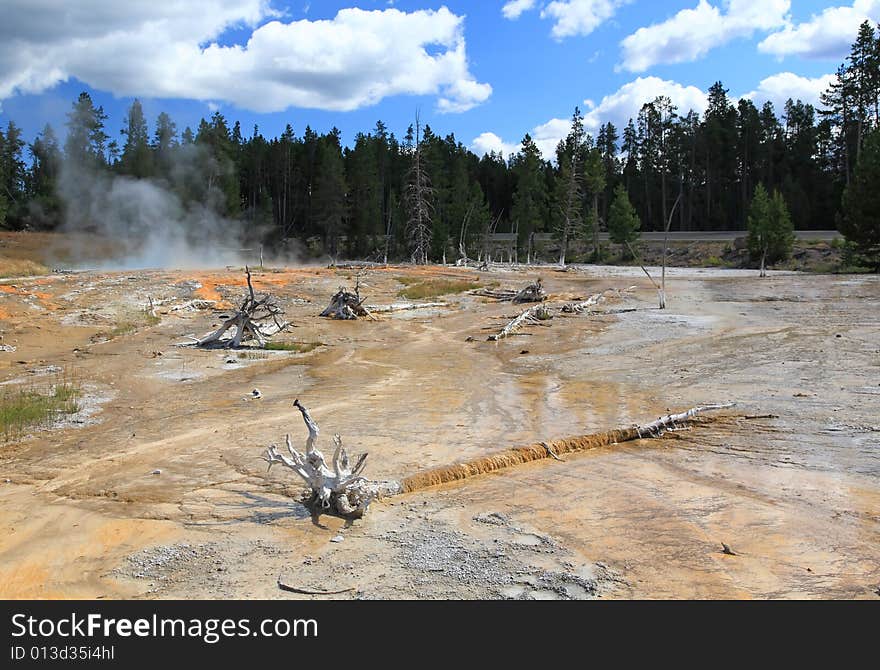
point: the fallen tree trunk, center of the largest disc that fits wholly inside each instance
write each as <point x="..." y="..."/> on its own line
<point x="532" y="315"/>
<point x="340" y="489"/>
<point x="593" y="300"/>
<point x="518" y="455"/>
<point x="343" y="491"/>
<point x="403" y="306"/>
<point x="532" y="293"/>
<point x="247" y="321"/>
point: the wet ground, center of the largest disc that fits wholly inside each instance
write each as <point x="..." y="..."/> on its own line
<point x="795" y="495"/>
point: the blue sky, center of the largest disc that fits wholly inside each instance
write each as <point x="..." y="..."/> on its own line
<point x="488" y="71"/>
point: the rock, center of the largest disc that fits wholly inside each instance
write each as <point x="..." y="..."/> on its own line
<point x="256" y="394"/>
<point x="338" y="538"/>
<point x="156" y="472"/>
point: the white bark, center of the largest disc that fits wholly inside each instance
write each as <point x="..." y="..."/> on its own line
<point x="247" y="321"/>
<point x="338" y="487"/>
<point x="533" y="315"/>
<point x="671" y="421"/>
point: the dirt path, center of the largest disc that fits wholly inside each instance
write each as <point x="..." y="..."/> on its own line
<point x="796" y="497"/>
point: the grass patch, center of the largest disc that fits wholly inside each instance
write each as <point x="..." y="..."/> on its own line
<point x="420" y="289"/>
<point x="127" y="324"/>
<point x="297" y="347"/>
<point x="20" y="267"/>
<point x="25" y="408"/>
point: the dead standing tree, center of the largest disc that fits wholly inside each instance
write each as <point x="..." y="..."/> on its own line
<point x="247" y="321"/>
<point x="417" y="198"/>
<point x="338" y="488"/>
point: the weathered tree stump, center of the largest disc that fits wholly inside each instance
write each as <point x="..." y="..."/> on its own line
<point x="248" y="321"/>
<point x="346" y="305"/>
<point x="532" y="293"/>
<point x="339" y="489"/>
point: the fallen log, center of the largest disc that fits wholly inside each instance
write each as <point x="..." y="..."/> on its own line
<point x="403" y="306"/>
<point x="339" y="489"/>
<point x="247" y="321"/>
<point x="541" y="450"/>
<point x="532" y="315"/>
<point x="534" y="292"/>
<point x="593" y="300"/>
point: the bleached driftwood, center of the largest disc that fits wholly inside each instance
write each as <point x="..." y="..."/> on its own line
<point x="247" y="320"/>
<point x="340" y="488"/>
<point x="532" y="315"/>
<point x="673" y="421"/>
<point x="402" y="307"/>
<point x="585" y="305"/>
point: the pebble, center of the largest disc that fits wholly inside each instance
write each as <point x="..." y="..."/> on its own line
<point x="156" y="472"/>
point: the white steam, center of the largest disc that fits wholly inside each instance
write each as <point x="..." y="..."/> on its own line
<point x="152" y="223"/>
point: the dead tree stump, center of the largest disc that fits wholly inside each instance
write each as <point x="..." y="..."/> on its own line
<point x="248" y="321"/>
<point x="339" y="489"/>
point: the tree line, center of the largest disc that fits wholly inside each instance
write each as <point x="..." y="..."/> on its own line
<point x="426" y="197"/>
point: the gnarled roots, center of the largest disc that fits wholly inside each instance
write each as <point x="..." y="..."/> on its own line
<point x="340" y="489"/>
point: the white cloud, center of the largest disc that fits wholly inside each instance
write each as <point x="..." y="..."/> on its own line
<point x="624" y="104"/>
<point x="826" y="35"/>
<point x="170" y="50"/>
<point x="692" y="33"/>
<point x="570" y="17"/>
<point x="780" y="87"/>
<point x="579" y="17"/>
<point x="618" y="108"/>
<point x="513" y="9"/>
<point x="490" y="143"/>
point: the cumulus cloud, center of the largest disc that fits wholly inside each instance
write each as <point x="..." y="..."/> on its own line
<point x="513" y="9"/>
<point x="780" y="87"/>
<point x="487" y="143"/>
<point x="570" y="17"/>
<point x="579" y="17"/>
<point x="173" y="50"/>
<point x="624" y="104"/>
<point x="826" y="35"/>
<point x="618" y="108"/>
<point x="692" y="33"/>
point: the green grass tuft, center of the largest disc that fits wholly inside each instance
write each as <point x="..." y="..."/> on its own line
<point x="25" y="408"/>
<point x="432" y="288"/>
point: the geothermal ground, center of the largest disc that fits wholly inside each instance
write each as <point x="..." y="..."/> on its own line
<point x="795" y="495"/>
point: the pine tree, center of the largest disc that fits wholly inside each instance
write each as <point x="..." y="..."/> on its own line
<point x="136" y="159"/>
<point x="530" y="196"/>
<point x="860" y="222"/>
<point x="771" y="232"/>
<point x="86" y="140"/>
<point x="623" y="222"/>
